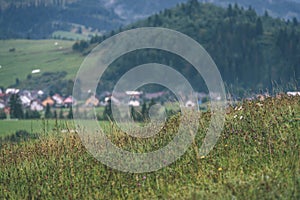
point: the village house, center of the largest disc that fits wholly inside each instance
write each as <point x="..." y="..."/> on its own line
<point x="92" y="101"/>
<point x="49" y="101"/>
<point x="2" y="104"/>
<point x="12" y="91"/>
<point x="59" y="101"/>
<point x="110" y="98"/>
<point x="36" y="106"/>
<point x="25" y="100"/>
<point x="134" y="98"/>
<point x="134" y="103"/>
<point x="68" y="102"/>
<point x="154" y="95"/>
<point x="36" y="94"/>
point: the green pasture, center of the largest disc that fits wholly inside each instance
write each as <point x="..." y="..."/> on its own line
<point x="19" y="57"/>
<point x="37" y="126"/>
<point x="8" y="127"/>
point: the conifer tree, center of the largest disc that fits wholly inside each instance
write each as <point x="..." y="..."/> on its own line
<point x="48" y="113"/>
<point x="16" y="110"/>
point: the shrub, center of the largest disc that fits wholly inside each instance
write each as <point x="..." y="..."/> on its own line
<point x="20" y="135"/>
<point x="2" y="114"/>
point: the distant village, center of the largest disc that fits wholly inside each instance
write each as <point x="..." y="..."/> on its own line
<point x="38" y="101"/>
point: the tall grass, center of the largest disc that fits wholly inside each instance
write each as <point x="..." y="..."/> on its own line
<point x="257" y="157"/>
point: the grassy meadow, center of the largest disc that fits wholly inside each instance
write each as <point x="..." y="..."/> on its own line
<point x="28" y="55"/>
<point x="9" y="127"/>
<point x="38" y="126"/>
<point x="256" y="157"/>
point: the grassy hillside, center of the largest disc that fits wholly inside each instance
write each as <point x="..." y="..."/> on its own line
<point x="19" y="57"/>
<point x="257" y="157"/>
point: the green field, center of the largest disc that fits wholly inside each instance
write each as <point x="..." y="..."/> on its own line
<point x="9" y="127"/>
<point x="46" y="55"/>
<point x="256" y="157"/>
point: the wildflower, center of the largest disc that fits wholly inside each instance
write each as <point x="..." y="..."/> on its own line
<point x="259" y="104"/>
<point x="220" y="169"/>
<point x="226" y="145"/>
<point x="202" y="157"/>
<point x="240" y="108"/>
<point x="144" y="177"/>
<point x="241" y="117"/>
<point x="235" y="116"/>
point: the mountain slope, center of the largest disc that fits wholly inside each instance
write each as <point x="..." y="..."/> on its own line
<point x="131" y="10"/>
<point x="40" y="18"/>
<point x="252" y="52"/>
<point x="286" y="9"/>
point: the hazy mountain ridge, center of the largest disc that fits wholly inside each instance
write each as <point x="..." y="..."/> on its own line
<point x="132" y="10"/>
<point x="37" y="21"/>
<point x="40" y="18"/>
<point x="135" y="9"/>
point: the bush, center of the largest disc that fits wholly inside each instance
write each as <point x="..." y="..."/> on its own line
<point x="2" y="114"/>
<point x="19" y="136"/>
<point x="80" y="46"/>
<point x="29" y="114"/>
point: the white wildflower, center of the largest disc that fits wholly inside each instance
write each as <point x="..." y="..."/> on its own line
<point x="259" y="104"/>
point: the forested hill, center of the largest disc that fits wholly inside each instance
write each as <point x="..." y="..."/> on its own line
<point x="36" y="19"/>
<point x="251" y="51"/>
<point x="287" y="9"/>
